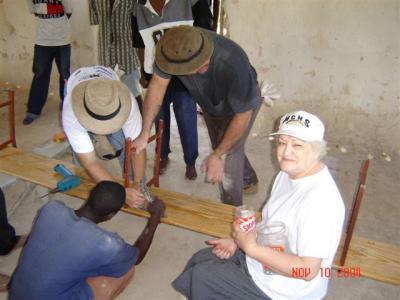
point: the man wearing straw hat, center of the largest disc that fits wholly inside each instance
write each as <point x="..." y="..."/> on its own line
<point x="97" y="103"/>
<point x="220" y="78"/>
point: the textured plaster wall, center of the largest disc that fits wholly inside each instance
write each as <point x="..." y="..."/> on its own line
<point x="17" y="38"/>
<point x="339" y="59"/>
<point x="336" y="58"/>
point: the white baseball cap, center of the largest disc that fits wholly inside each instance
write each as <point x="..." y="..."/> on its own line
<point x="301" y="125"/>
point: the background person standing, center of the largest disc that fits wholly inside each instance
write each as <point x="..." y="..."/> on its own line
<point x="153" y="19"/>
<point x="114" y="18"/>
<point x="52" y="43"/>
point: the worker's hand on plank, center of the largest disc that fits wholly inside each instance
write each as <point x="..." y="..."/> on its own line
<point x="134" y="198"/>
<point x="156" y="209"/>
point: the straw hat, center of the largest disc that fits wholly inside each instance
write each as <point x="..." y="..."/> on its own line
<point x="183" y="50"/>
<point x="101" y="105"/>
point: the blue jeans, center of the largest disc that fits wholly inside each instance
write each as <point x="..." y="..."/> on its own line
<point x="186" y="119"/>
<point x="117" y="140"/>
<point x="42" y="62"/>
<point x="131" y="80"/>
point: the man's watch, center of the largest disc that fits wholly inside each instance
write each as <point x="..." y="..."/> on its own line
<point x="222" y="156"/>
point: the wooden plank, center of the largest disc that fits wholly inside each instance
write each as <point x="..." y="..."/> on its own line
<point x="204" y="216"/>
<point x="376" y="260"/>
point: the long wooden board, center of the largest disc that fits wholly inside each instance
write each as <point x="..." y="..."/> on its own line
<point x="375" y="259"/>
<point x="201" y="215"/>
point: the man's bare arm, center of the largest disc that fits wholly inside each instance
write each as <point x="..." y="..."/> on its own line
<point x="139" y="164"/>
<point x="92" y="165"/>
<point x="98" y="173"/>
<point x="214" y="165"/>
<point x="153" y="101"/>
<point x="152" y="104"/>
<point x="235" y="130"/>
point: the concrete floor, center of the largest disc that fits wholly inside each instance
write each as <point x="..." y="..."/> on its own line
<point x="172" y="247"/>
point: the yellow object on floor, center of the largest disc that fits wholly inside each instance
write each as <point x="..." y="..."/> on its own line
<point x="59" y="137"/>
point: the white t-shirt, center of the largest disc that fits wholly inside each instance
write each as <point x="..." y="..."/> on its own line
<point x="53" y="28"/>
<point x="313" y="212"/>
<point x="77" y="135"/>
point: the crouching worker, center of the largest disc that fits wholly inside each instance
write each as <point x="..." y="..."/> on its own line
<point x="68" y="256"/>
<point x="97" y="103"/>
<point x="306" y="199"/>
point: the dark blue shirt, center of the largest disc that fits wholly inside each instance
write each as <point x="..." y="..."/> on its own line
<point x="229" y="85"/>
<point x="62" y="251"/>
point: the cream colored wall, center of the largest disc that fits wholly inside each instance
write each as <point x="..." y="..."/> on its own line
<point x="338" y="59"/>
<point x="17" y="38"/>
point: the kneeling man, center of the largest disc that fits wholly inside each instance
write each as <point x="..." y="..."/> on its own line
<point x="68" y="256"/>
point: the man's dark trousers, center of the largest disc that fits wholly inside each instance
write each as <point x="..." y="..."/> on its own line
<point x="8" y="239"/>
<point x="42" y="64"/>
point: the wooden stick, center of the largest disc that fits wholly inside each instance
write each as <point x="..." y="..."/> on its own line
<point x="354" y="212"/>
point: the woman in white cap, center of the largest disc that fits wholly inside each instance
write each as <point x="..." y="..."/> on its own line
<point x="306" y="199"/>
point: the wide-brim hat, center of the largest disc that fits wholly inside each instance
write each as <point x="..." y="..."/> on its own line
<point x="101" y="105"/>
<point x="302" y="125"/>
<point x="183" y="50"/>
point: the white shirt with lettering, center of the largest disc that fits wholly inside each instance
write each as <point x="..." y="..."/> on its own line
<point x="313" y="212"/>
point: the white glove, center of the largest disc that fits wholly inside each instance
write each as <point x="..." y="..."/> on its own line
<point x="119" y="71"/>
<point x="269" y="93"/>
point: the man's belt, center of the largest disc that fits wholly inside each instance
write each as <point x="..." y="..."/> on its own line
<point x="49" y="16"/>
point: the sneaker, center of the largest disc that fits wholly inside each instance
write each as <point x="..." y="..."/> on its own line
<point x="191" y="173"/>
<point x="163" y="165"/>
<point x="29" y="118"/>
<point x="250" y="188"/>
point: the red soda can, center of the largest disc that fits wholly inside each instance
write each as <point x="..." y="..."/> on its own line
<point x="245" y="217"/>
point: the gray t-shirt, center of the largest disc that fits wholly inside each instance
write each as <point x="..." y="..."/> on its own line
<point x="53" y="28"/>
<point x="230" y="84"/>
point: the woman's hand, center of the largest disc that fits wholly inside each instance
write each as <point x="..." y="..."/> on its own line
<point x="223" y="248"/>
<point x="244" y="240"/>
